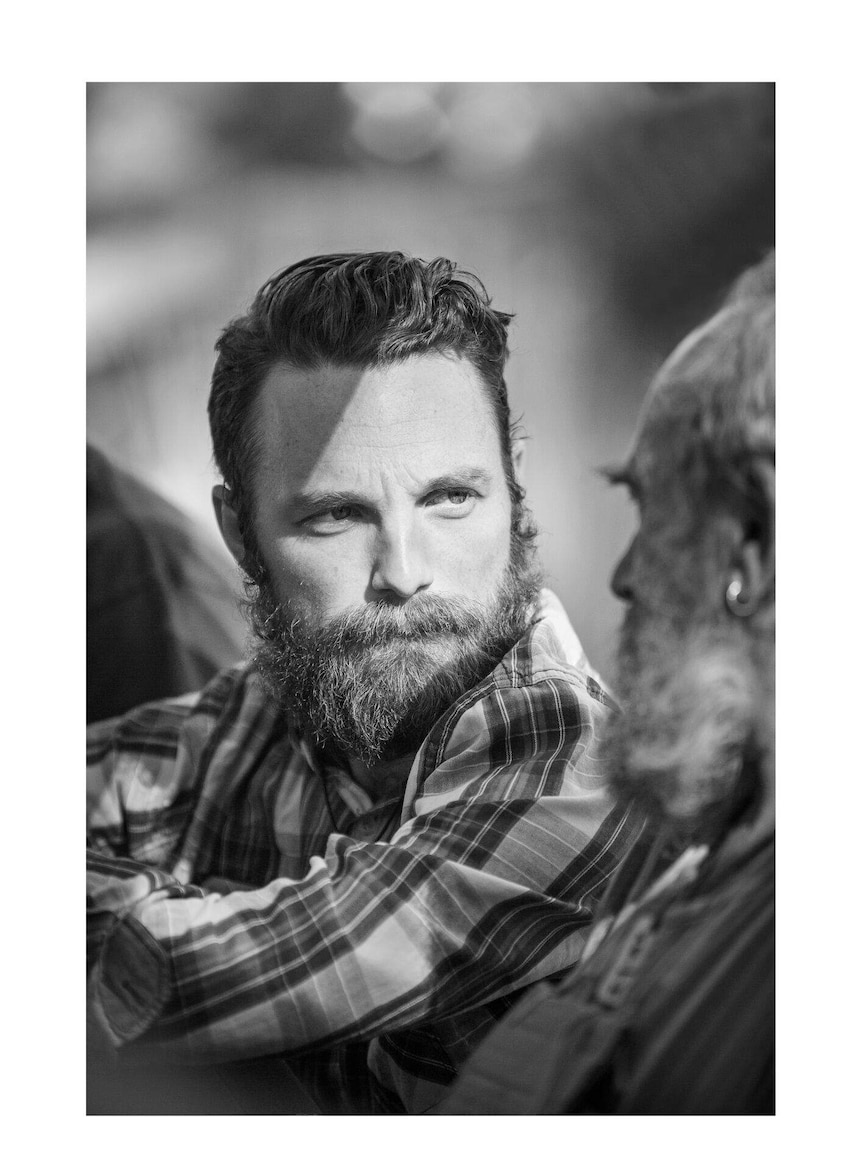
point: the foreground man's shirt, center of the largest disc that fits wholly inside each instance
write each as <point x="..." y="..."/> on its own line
<point x="247" y="899"/>
<point x="670" y="1011"/>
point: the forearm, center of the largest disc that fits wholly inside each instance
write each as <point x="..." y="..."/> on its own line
<point x="468" y="903"/>
<point x="336" y="957"/>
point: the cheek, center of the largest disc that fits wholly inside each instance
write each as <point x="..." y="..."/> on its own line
<point x="671" y="577"/>
<point x="480" y="555"/>
<point x="322" y="579"/>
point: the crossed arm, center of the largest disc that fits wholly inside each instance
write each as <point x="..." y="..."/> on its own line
<point x="472" y="899"/>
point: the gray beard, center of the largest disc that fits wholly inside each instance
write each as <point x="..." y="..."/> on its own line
<point x="372" y="682"/>
<point x="690" y="695"/>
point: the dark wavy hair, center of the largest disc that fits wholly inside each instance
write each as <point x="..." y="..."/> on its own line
<point x="357" y="309"/>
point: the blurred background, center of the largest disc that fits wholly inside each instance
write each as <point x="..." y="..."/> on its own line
<point x="609" y="217"/>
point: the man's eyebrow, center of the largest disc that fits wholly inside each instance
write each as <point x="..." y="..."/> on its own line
<point x="314" y="501"/>
<point x="460" y="477"/>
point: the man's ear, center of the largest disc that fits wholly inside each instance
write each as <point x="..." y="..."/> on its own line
<point x="752" y="572"/>
<point x="519" y="456"/>
<point x="228" y="523"/>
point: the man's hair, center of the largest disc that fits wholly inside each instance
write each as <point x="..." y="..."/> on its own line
<point x="358" y="309"/>
<point x="720" y="404"/>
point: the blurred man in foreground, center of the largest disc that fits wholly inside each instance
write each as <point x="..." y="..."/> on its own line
<point x="671" y="1010"/>
<point x="359" y="848"/>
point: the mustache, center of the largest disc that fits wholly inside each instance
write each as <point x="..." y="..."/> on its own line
<point x="381" y="622"/>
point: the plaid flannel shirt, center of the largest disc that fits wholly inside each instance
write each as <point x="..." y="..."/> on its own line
<point x="247" y="899"/>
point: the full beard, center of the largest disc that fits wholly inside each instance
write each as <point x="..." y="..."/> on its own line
<point x="685" y="746"/>
<point x="372" y="682"/>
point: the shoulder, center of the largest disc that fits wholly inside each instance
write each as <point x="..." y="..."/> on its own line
<point x="233" y="699"/>
<point x="550" y="649"/>
<point x="536" y="722"/>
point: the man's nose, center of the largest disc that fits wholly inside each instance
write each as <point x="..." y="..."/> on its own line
<point x="621" y="581"/>
<point x="401" y="564"/>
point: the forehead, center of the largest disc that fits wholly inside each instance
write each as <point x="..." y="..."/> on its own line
<point x="337" y="423"/>
<point x="674" y="397"/>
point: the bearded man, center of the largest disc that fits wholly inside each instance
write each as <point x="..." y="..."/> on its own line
<point x="671" y="1010"/>
<point x="358" y="849"/>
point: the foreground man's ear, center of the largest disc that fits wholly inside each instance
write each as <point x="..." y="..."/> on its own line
<point x="228" y="523"/>
<point x="751" y="584"/>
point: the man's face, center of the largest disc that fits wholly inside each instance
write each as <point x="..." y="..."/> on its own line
<point x="383" y="520"/>
<point x="685" y="675"/>
<point x="379" y="484"/>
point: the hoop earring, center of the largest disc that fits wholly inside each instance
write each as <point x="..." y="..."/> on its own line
<point x="741" y="607"/>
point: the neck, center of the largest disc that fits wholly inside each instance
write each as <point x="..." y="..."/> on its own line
<point x="763" y="822"/>
<point x="382" y="780"/>
<point x="758" y="823"/>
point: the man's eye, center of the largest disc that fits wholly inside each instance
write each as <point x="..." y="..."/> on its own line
<point x="340" y="513"/>
<point x="327" y="520"/>
<point x="451" y="497"/>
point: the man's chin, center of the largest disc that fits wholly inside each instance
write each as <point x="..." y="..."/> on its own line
<point x="431" y="653"/>
<point x="687" y="721"/>
<point x="374" y="680"/>
<point x="372" y="702"/>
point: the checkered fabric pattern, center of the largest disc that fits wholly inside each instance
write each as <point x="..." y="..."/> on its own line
<point x="246" y="898"/>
